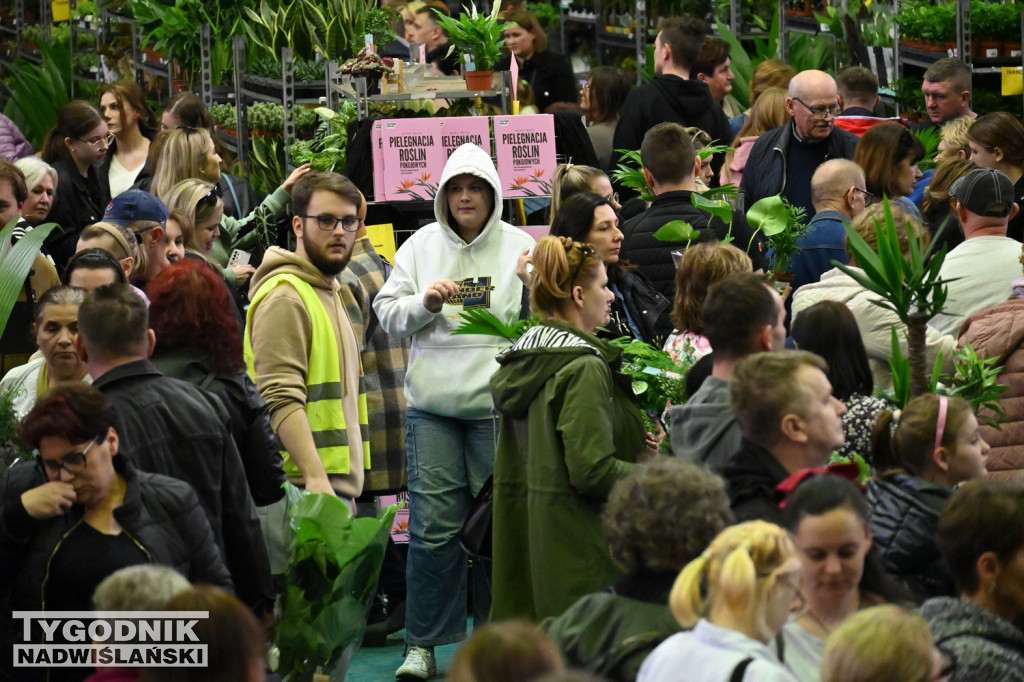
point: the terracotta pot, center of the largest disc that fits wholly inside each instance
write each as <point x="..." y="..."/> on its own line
<point x="1011" y="49"/>
<point x="479" y="80"/>
<point x="987" y="49"/>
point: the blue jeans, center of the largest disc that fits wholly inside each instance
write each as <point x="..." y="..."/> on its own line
<point x="449" y="460"/>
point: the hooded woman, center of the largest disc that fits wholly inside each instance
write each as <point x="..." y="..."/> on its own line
<point x="466" y="259"/>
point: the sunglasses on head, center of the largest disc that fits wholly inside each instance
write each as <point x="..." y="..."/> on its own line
<point x="211" y="198"/>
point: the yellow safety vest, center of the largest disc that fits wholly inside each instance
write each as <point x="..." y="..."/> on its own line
<point x="323" y="383"/>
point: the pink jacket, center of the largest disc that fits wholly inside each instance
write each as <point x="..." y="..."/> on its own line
<point x="13" y="145"/>
<point x="998" y="332"/>
<point x="738" y="161"/>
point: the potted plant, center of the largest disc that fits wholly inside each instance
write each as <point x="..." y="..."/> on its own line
<point x="481" y="36"/>
<point x="783" y="225"/>
<point x="367" y="64"/>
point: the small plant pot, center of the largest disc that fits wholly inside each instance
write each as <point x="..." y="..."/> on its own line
<point x="479" y="80"/>
<point x="782" y="281"/>
<point x="1011" y="49"/>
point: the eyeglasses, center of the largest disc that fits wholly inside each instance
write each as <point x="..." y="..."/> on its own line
<point x="868" y="196"/>
<point x="799" y="603"/>
<point x="211" y="198"/>
<point x="138" y="233"/>
<point x="821" y="113"/>
<point x="612" y="198"/>
<point x="72" y="462"/>
<point x="327" y="223"/>
<point x="584" y="87"/>
<point x="587" y="250"/>
<point x="95" y="144"/>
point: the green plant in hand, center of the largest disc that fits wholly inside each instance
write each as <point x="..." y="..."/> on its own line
<point x="782" y="224"/>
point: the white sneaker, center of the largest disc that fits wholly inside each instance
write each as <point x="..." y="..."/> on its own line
<point x="419" y="664"/>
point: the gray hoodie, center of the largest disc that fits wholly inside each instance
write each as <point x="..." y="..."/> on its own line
<point x="986" y="647"/>
<point x="704" y="428"/>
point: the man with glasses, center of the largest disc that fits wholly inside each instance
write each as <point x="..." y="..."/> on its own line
<point x="300" y="347"/>
<point x="837" y="190"/>
<point x="146" y="217"/>
<point x="784" y="159"/>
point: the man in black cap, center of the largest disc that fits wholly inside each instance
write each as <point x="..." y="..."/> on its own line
<point x="986" y="263"/>
<point x="146" y="216"/>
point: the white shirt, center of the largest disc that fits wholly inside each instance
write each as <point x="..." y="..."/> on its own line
<point x="710" y="653"/>
<point x="802" y="652"/>
<point x="986" y="267"/>
<point x="121" y="179"/>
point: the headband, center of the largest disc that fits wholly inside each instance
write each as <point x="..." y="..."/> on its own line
<point x="118" y="237"/>
<point x="940" y="423"/>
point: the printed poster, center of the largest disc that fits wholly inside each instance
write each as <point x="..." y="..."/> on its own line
<point x="414" y="152"/>
<point x="525" y="147"/>
<point x="383" y="239"/>
<point x="376" y="145"/>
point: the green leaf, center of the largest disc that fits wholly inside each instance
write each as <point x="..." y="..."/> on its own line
<point x="16" y="263"/>
<point x="483" y="321"/>
<point x="769" y="215"/>
<point x="677" y="231"/>
<point x="715" y="207"/>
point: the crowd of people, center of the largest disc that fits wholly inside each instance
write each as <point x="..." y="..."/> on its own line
<point x="175" y="392"/>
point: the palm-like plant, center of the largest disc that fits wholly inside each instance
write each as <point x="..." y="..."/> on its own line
<point x="909" y="285"/>
<point x="16" y="262"/>
<point x="481" y="35"/>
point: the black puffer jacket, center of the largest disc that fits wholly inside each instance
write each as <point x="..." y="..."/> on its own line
<point x="904" y="517"/>
<point x="250" y="421"/>
<point x="171" y="427"/>
<point x="161" y="514"/>
<point x="765" y="174"/>
<point x="654" y="257"/>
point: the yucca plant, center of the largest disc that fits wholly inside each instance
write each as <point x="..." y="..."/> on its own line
<point x="480" y="35"/>
<point x="908" y="284"/>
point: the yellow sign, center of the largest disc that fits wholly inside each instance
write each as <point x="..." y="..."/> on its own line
<point x="383" y="239"/>
<point x="1013" y="81"/>
<point x="61" y="10"/>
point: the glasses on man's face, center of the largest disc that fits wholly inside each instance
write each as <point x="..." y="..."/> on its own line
<point x="72" y="462"/>
<point x="587" y="250"/>
<point x="868" y="196"/>
<point x="98" y="142"/>
<point x="821" y="113"/>
<point x="327" y="223"/>
<point x="612" y="198"/>
<point x="211" y="198"/>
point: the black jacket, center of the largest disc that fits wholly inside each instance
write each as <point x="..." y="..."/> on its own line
<point x="654" y="257"/>
<point x="645" y="305"/>
<point x="904" y="518"/>
<point x="549" y="75"/>
<point x="765" y="174"/>
<point x="752" y="475"/>
<point x="159" y="513"/>
<point x="670" y="99"/>
<point x="250" y="421"/>
<point x="75" y="207"/>
<point x="144" y="176"/>
<point x="171" y="427"/>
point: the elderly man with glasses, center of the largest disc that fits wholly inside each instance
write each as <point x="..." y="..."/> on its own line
<point x="783" y="160"/>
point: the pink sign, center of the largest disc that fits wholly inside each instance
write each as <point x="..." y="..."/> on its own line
<point x="414" y="152"/>
<point x="378" y="162"/>
<point x="525" y="147"/>
<point x="538" y="232"/>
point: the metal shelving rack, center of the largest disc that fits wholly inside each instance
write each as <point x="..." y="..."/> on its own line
<point x="14" y="30"/>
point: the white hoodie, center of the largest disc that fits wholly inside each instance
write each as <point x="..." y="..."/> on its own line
<point x="448" y="375"/>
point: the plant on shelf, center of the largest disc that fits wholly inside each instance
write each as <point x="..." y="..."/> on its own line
<point x="267" y="170"/>
<point x="266" y="118"/>
<point x="171" y="27"/>
<point x="547" y="14"/>
<point x="327" y="150"/>
<point x="34" y="35"/>
<point x="367" y="63"/>
<point x="479" y="35"/>
<point x="224" y="115"/>
<point x="36" y="92"/>
<point x="85" y="9"/>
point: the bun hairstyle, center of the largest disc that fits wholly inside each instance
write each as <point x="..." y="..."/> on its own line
<point x="726" y="574"/>
<point x="909" y="441"/>
<point x="559" y="265"/>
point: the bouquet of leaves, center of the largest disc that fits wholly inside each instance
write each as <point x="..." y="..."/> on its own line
<point x="332" y="575"/>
